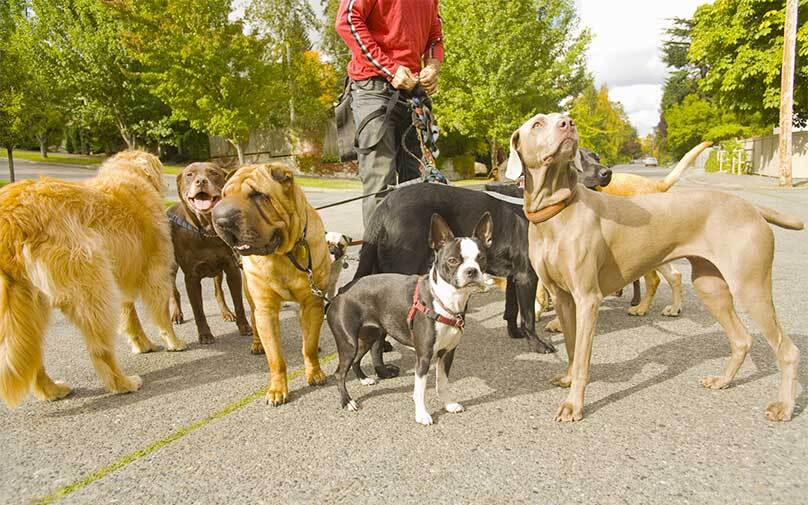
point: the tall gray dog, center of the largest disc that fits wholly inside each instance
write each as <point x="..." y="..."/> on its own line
<point x="585" y="245"/>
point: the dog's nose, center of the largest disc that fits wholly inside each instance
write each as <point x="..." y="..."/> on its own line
<point x="605" y="173"/>
<point x="225" y="214"/>
<point x="471" y="273"/>
<point x="565" y="124"/>
<point x="201" y="182"/>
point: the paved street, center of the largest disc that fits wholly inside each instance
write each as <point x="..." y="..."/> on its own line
<point x="652" y="434"/>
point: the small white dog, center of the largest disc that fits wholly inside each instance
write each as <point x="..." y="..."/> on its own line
<point x="337" y="245"/>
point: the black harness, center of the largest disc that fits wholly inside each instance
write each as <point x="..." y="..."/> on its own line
<point x="185" y="225"/>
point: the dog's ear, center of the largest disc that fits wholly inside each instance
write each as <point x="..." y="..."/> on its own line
<point x="515" y="166"/>
<point x="281" y="174"/>
<point x="485" y="230"/>
<point x="577" y="162"/>
<point x="439" y="232"/>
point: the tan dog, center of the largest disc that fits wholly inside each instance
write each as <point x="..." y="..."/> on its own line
<point x="89" y="249"/>
<point x="585" y="244"/>
<point x="623" y="184"/>
<point x="266" y="218"/>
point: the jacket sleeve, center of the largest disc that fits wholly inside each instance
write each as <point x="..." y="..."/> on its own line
<point x="434" y="48"/>
<point x="352" y="27"/>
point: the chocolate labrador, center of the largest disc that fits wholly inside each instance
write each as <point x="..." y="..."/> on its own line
<point x="199" y="252"/>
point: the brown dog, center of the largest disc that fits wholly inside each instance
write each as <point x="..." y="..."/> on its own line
<point x="265" y="216"/>
<point x="199" y="252"/>
<point x="585" y="244"/>
<point x="89" y="249"/>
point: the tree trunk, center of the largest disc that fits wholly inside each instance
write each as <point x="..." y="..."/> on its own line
<point x="10" y="151"/>
<point x="124" y="132"/>
<point x="240" y="152"/>
<point x="43" y="146"/>
<point x="494" y="172"/>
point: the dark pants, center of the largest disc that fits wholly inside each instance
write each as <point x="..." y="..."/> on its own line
<point x="387" y="161"/>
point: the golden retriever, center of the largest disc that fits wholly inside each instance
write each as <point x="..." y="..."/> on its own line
<point x="89" y="249"/>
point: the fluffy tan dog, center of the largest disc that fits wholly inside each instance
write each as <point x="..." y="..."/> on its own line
<point x="89" y="249"/>
<point x="266" y="218"/>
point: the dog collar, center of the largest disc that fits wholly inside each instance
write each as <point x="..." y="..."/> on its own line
<point x="418" y="306"/>
<point x="546" y="213"/>
<point x="185" y="225"/>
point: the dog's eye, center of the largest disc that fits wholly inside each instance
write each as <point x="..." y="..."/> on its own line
<point x="538" y="124"/>
<point x="189" y="175"/>
<point x="256" y="195"/>
<point x="453" y="262"/>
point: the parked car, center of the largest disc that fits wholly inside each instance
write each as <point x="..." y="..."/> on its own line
<point x="650" y="161"/>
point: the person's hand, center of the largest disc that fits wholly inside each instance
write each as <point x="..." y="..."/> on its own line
<point x="404" y="79"/>
<point x="428" y="77"/>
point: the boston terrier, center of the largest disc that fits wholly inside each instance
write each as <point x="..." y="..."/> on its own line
<point x="338" y="247"/>
<point x="426" y="313"/>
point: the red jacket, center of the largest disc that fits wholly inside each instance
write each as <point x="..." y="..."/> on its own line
<point x="384" y="34"/>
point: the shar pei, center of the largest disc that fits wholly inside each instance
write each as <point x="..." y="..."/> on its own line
<point x="89" y="249"/>
<point x="265" y="217"/>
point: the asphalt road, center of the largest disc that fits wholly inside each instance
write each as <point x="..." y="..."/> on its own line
<point x="651" y="434"/>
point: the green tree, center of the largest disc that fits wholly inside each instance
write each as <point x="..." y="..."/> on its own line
<point x="83" y="48"/>
<point x="740" y="43"/>
<point x="603" y="126"/>
<point x="208" y="68"/>
<point x="506" y="61"/>
<point x="14" y="71"/>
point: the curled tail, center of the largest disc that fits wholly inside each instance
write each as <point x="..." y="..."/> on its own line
<point x="779" y="219"/>
<point x="22" y="325"/>
<point x="369" y="253"/>
<point x="678" y="171"/>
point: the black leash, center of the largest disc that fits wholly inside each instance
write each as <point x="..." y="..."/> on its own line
<point x="302" y="242"/>
<point x="185" y="225"/>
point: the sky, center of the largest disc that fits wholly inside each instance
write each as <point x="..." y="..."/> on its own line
<point x="625" y="53"/>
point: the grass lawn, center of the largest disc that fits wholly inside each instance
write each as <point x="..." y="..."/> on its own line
<point x="3" y="183"/>
<point x="66" y="159"/>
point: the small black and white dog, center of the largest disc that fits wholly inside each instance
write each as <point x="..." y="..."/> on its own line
<point x="426" y="313"/>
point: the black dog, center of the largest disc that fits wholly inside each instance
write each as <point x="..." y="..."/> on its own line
<point x="393" y="242"/>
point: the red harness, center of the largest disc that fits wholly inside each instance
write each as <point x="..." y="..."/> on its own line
<point x="418" y="306"/>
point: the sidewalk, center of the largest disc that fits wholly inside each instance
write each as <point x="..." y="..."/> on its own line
<point x="731" y="182"/>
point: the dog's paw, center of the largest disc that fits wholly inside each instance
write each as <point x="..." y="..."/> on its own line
<point x="245" y="330"/>
<point x="423" y="418"/>
<point x="639" y="310"/>
<point x="540" y="346"/>
<point x="454" y="408"/>
<point x="127" y="384"/>
<point x="553" y="326"/>
<point x="568" y="412"/>
<point x="368" y="381"/>
<point x="277" y="395"/>
<point x="562" y="380"/>
<point x="670" y="311"/>
<point x="143" y="347"/>
<point x="517" y="333"/>
<point x="352" y="406"/>
<point x="779" y="411"/>
<point x="177" y="318"/>
<point x="387" y="371"/>
<point x="256" y="348"/>
<point x="315" y="377"/>
<point x="714" y="382"/>
<point x="176" y="345"/>
<point x="53" y="391"/>
<point x="206" y="338"/>
<point x="228" y="316"/>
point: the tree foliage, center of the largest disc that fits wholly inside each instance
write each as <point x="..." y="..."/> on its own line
<point x="603" y="126"/>
<point x="508" y="60"/>
<point x="740" y="42"/>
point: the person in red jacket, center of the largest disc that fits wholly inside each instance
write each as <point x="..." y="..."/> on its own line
<point x="395" y="45"/>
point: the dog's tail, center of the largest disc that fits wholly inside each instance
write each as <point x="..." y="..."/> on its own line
<point x="779" y="219"/>
<point x="369" y="253"/>
<point x="680" y="168"/>
<point x="21" y="331"/>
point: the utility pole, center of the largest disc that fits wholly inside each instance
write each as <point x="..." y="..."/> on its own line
<point x="787" y="92"/>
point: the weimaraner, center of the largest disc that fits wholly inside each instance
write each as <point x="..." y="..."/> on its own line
<point x="585" y="245"/>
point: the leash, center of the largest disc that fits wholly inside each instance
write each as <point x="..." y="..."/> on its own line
<point x="458" y="320"/>
<point x="302" y="242"/>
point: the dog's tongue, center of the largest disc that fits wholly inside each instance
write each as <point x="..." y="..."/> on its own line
<point x="203" y="204"/>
